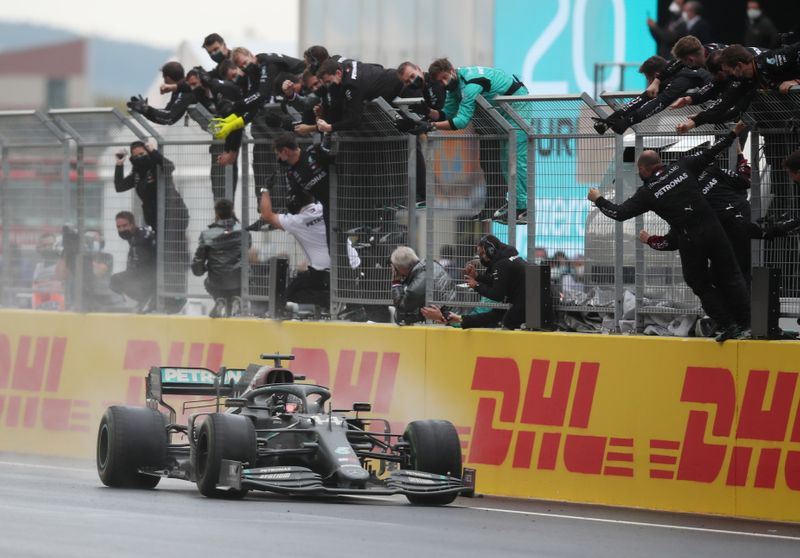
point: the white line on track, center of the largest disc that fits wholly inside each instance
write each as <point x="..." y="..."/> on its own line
<point x="638" y="523"/>
<point x="498" y="510"/>
<point x="55" y="467"/>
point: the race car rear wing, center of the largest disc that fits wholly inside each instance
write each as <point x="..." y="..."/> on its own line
<point x="174" y="380"/>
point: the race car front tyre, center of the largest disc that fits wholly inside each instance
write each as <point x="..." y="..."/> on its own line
<point x="130" y="438"/>
<point x="221" y="437"/>
<point x="435" y="448"/>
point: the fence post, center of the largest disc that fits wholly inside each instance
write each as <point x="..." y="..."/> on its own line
<point x="245" y="220"/>
<point x="5" y="288"/>
<point x="81" y="226"/>
<point x="619" y="262"/>
<point x="411" y="202"/>
<point x="334" y="234"/>
<point x="639" y="265"/>
<point x="756" y="203"/>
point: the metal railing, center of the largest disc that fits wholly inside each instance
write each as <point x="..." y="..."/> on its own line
<point x="58" y="171"/>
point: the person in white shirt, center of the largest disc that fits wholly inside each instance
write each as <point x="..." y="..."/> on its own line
<point x="307" y="225"/>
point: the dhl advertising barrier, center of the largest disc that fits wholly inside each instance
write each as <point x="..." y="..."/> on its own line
<point x="673" y="424"/>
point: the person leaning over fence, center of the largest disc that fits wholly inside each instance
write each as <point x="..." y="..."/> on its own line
<point x="138" y="281"/>
<point x="219" y="252"/>
<point x="464" y="85"/>
<point x="709" y="264"/>
<point x="307" y="225"/>
<point x="502" y="281"/>
<point x="408" y="285"/>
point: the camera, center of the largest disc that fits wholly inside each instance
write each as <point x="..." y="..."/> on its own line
<point x="445" y="313"/>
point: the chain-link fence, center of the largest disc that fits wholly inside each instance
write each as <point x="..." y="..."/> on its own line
<point x="438" y="193"/>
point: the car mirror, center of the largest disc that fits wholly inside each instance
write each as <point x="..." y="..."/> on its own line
<point x="363" y="407"/>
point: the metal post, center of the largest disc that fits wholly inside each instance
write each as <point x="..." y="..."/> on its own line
<point x="245" y="220"/>
<point x="639" y="276"/>
<point x="80" y="202"/>
<point x="412" y="192"/>
<point x="531" y="140"/>
<point x="5" y="216"/>
<point x="756" y="203"/>
<point x="334" y="235"/>
<point x="619" y="197"/>
<point x="161" y="218"/>
<point x="512" y="187"/>
<point x="430" y="201"/>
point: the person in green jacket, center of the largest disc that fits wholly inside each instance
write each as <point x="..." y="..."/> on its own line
<point x="464" y="85"/>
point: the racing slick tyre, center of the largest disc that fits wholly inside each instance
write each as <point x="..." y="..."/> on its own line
<point x="221" y="437"/>
<point x="130" y="438"/>
<point x="435" y="448"/>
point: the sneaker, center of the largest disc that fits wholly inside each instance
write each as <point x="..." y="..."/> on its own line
<point x="600" y="125"/>
<point x="236" y="307"/>
<point x="501" y="215"/>
<point x="219" y="310"/>
<point x="421" y="205"/>
<point x="733" y="331"/>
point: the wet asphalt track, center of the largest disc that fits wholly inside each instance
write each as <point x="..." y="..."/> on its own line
<point x="57" y="507"/>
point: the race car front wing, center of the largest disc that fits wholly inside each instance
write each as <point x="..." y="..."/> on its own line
<point x="300" y="480"/>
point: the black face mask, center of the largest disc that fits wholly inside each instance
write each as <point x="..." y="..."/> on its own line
<point x="217" y="56"/>
<point x="127" y="234"/>
<point x="142" y="163"/>
<point x="418" y="82"/>
<point x="251" y="68"/>
<point x="452" y="85"/>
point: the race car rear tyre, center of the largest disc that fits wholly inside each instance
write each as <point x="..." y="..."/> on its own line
<point x="435" y="448"/>
<point x="221" y="437"/>
<point x="130" y="438"/>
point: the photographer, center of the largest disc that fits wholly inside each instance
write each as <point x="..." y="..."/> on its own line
<point x="503" y="281"/>
<point x="408" y="285"/>
<point x="138" y="281"/>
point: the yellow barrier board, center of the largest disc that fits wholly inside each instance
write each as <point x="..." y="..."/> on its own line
<point x="673" y="424"/>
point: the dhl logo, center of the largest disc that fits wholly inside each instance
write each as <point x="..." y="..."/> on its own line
<point x="715" y="442"/>
<point x="31" y="369"/>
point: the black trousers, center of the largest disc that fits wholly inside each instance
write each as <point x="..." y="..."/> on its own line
<point x="712" y="272"/>
<point x="217" y="173"/>
<point x="310" y="287"/>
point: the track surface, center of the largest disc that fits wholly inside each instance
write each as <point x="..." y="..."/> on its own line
<point x="57" y="507"/>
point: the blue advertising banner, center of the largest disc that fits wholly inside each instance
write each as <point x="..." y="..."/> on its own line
<point x="552" y="45"/>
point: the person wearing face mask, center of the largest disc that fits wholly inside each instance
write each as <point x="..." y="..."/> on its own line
<point x="502" y="281"/>
<point x="667" y="35"/>
<point x="305" y="223"/>
<point x="138" y="281"/>
<point x="463" y="86"/>
<point x="306" y="169"/>
<point x="696" y="25"/>
<point x="761" y="32"/>
<point x="181" y="97"/>
<point x="709" y="265"/>
<point x="148" y="164"/>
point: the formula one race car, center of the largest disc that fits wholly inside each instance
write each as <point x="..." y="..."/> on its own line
<point x="275" y="435"/>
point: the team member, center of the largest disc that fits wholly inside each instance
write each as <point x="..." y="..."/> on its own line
<point x="502" y="281"/>
<point x="709" y="264"/>
<point x="148" y="163"/>
<point x="306" y="224"/>
<point x="726" y="192"/>
<point x="306" y="169"/>
<point x="463" y="86"/>
<point x="138" y="281"/>
<point x="349" y="87"/>
<point x="643" y="107"/>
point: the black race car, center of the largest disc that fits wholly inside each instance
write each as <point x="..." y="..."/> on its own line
<point x="275" y="435"/>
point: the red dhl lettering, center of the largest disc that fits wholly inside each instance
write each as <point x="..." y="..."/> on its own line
<point x="714" y="443"/>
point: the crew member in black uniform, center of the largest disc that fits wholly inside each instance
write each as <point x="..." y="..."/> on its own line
<point x="350" y="86"/>
<point x="709" y="264"/>
<point x="307" y="170"/>
<point x="777" y="70"/>
<point x="726" y="192"/>
<point x="503" y="280"/>
<point x="643" y="107"/>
